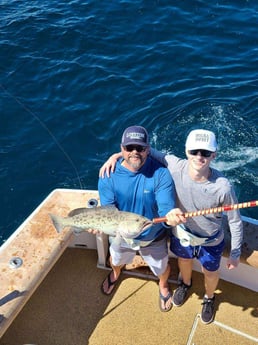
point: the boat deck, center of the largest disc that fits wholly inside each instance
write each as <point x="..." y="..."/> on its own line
<point x="68" y="308"/>
<point x="54" y="297"/>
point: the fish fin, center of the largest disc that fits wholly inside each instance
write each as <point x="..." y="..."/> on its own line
<point x="76" y="231"/>
<point x="108" y="207"/>
<point x="57" y="221"/>
<point x="134" y="244"/>
<point x="87" y="209"/>
<point x="77" y="211"/>
<point x="117" y="240"/>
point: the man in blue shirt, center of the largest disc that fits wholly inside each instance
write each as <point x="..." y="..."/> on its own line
<point x="144" y="186"/>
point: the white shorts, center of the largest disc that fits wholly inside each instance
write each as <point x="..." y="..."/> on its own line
<point x="155" y="255"/>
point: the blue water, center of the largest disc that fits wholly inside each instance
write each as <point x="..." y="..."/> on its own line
<point x="74" y="74"/>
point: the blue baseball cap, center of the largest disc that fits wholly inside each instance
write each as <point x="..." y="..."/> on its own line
<point x="135" y="135"/>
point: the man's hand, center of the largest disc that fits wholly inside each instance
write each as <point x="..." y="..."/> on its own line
<point x="94" y="231"/>
<point x="232" y="263"/>
<point x="175" y="217"/>
<point x="109" y="165"/>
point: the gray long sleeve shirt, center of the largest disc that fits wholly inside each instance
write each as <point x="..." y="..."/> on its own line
<point x="192" y="196"/>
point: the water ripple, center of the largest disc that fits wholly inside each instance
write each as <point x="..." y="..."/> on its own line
<point x="75" y="74"/>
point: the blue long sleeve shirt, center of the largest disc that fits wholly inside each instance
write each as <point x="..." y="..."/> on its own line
<point x="149" y="192"/>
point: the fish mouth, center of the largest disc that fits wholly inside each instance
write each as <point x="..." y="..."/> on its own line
<point x="147" y="224"/>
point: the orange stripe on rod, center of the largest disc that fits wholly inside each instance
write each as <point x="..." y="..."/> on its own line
<point x="225" y="208"/>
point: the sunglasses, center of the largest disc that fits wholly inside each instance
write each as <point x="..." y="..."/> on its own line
<point x="138" y="148"/>
<point x="204" y="153"/>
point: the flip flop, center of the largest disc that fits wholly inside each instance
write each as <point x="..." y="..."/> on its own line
<point x="110" y="284"/>
<point x="165" y="299"/>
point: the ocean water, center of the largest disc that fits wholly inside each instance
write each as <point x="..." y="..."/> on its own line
<point x="75" y="74"/>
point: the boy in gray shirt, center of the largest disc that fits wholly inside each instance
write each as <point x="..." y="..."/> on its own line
<point x="199" y="186"/>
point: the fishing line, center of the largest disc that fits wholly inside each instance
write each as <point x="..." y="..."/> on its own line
<point x="47" y="129"/>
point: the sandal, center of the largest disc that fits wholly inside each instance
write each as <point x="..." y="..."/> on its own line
<point x="110" y="284"/>
<point x="165" y="299"/>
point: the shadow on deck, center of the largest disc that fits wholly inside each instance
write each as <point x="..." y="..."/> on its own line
<point x="68" y="308"/>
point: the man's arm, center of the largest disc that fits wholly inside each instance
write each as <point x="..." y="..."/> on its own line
<point x="166" y="199"/>
<point x="236" y="230"/>
<point x="159" y="156"/>
<point x="109" y="165"/>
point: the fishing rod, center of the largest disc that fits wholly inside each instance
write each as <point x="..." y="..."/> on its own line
<point x="218" y="209"/>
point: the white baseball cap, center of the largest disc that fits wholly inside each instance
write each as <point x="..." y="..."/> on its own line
<point x="201" y="139"/>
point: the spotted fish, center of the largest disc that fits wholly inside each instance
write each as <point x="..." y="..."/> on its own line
<point x="106" y="219"/>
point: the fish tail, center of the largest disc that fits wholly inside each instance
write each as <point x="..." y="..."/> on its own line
<point x="58" y="222"/>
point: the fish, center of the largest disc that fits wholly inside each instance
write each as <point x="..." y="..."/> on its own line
<point x="106" y="219"/>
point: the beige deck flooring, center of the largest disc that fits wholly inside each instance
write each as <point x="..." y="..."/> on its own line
<point x="69" y="309"/>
